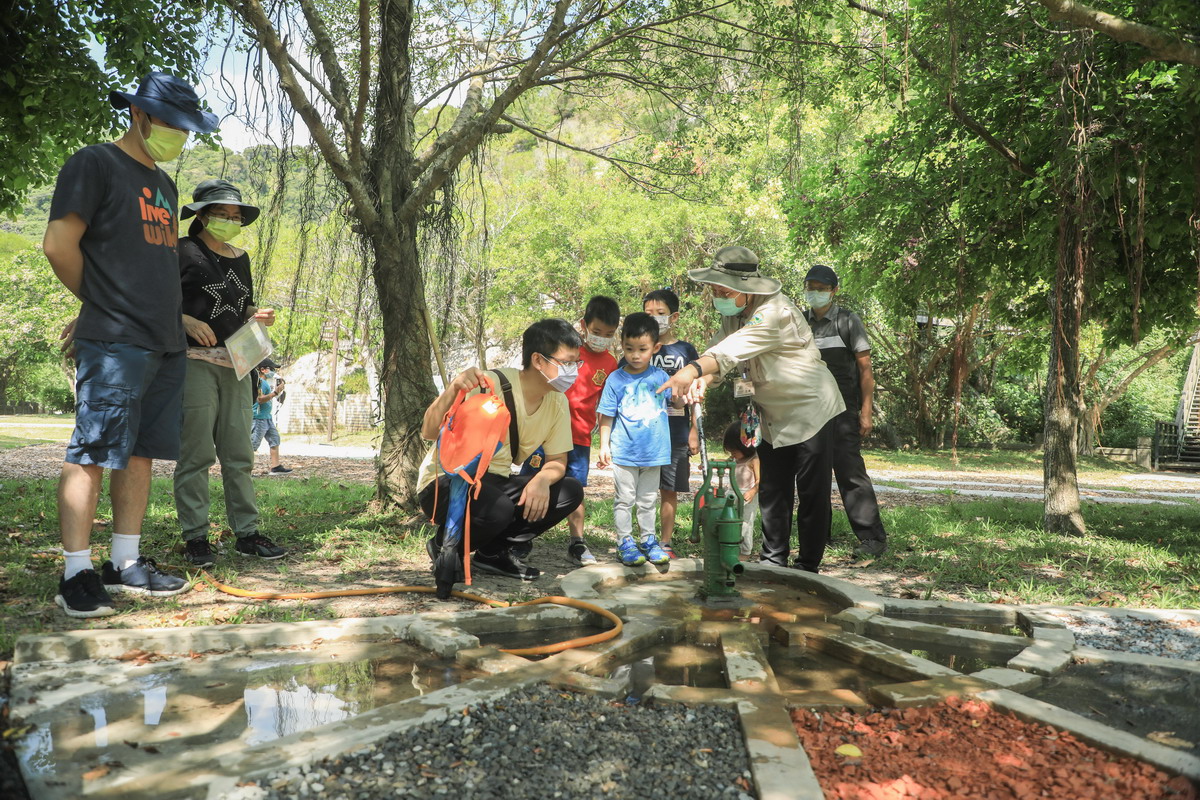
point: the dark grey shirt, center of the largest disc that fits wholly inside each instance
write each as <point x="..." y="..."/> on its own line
<point x="130" y="288"/>
<point x="828" y="335"/>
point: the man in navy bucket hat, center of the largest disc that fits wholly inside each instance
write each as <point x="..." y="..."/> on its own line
<point x="112" y="240"/>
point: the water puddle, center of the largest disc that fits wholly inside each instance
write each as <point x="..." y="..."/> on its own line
<point x="678" y="664"/>
<point x="957" y="661"/>
<point x="512" y="640"/>
<point x="807" y="670"/>
<point x="251" y="699"/>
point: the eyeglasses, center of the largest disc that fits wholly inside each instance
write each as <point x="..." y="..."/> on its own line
<point x="567" y="364"/>
<point x="228" y="218"/>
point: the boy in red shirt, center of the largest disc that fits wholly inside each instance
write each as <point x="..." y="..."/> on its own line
<point x="598" y="329"/>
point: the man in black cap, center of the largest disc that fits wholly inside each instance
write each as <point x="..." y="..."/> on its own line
<point x="842" y="340"/>
<point x="112" y="240"/>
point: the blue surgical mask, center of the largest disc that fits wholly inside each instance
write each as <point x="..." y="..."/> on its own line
<point x="726" y="306"/>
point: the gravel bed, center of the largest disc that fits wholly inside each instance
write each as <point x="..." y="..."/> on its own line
<point x="538" y="743"/>
<point x="1170" y="637"/>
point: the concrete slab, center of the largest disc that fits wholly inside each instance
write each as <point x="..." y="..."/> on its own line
<point x="1041" y="659"/>
<point x="927" y="692"/>
<point x="1012" y="679"/>
<point x="878" y="657"/>
<point x="906" y="634"/>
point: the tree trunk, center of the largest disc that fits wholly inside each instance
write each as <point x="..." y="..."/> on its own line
<point x="1063" y="401"/>
<point x="1063" y="407"/>
<point x="404" y="368"/>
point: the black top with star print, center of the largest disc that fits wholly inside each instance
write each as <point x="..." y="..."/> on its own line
<point x="216" y="289"/>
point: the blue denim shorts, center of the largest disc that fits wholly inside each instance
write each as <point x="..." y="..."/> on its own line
<point x="260" y="428"/>
<point x="579" y="462"/>
<point x="128" y="402"/>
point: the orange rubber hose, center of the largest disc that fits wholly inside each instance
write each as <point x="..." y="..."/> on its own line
<point x="540" y="650"/>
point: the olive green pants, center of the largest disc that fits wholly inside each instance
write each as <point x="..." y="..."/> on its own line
<point x="216" y="425"/>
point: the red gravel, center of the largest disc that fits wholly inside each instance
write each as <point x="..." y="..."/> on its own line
<point x="965" y="749"/>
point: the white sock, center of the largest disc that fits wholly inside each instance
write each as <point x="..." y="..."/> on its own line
<point x="77" y="562"/>
<point x="125" y="549"/>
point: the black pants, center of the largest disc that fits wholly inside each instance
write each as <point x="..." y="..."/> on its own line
<point x="496" y="520"/>
<point x="858" y="495"/>
<point x="798" y="471"/>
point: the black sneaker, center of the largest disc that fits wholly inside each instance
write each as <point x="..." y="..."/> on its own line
<point x="199" y="552"/>
<point x="521" y="550"/>
<point x="142" y="577"/>
<point x="83" y="596"/>
<point x="259" y="545"/>
<point x="870" y="548"/>
<point x="280" y="470"/>
<point x="578" y="552"/>
<point x="503" y="563"/>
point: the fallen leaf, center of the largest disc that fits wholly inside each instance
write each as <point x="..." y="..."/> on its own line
<point x="849" y="750"/>
<point x="97" y="773"/>
<point x="1169" y="738"/>
<point x="132" y="655"/>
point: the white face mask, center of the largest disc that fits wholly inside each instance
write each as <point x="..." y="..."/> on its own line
<point x="818" y="299"/>
<point x="598" y="343"/>
<point x="565" y="378"/>
<point x="664" y="322"/>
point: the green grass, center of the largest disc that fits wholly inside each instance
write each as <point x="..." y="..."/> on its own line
<point x="998" y="551"/>
<point x="321" y="521"/>
<point x="994" y="551"/>
<point x="18" y="430"/>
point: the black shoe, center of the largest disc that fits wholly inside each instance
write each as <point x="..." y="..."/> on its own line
<point x="521" y="550"/>
<point x="578" y="552"/>
<point x="280" y="470"/>
<point x="870" y="548"/>
<point x="502" y="563"/>
<point x="199" y="552"/>
<point x="258" y="545"/>
<point x="142" y="577"/>
<point x="83" y="596"/>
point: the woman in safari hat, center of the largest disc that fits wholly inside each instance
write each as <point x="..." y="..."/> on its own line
<point x="218" y="299"/>
<point x="767" y="344"/>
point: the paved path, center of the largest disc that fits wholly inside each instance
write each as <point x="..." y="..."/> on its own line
<point x="1138" y="489"/>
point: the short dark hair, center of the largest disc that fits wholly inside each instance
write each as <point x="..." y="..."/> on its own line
<point x="545" y="336"/>
<point x="639" y="324"/>
<point x="602" y="308"/>
<point x="733" y="441"/>
<point x="664" y="296"/>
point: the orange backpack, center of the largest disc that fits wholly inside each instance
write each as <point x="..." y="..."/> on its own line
<point x="470" y="435"/>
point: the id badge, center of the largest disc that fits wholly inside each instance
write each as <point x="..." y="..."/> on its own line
<point x="743" y="387"/>
<point x="672" y="411"/>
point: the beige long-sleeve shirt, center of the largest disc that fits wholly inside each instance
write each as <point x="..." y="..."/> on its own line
<point x="793" y="389"/>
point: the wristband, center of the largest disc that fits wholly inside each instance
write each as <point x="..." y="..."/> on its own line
<point x="695" y="363"/>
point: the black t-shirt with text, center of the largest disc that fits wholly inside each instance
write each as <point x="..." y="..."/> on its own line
<point x="130" y="286"/>
<point x="216" y="289"/>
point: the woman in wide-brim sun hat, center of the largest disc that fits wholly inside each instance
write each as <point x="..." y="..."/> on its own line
<point x="218" y="299"/>
<point x="765" y="341"/>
